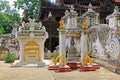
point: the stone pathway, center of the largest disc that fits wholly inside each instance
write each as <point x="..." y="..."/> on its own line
<point x="100" y="74"/>
<point x="42" y="73"/>
<point x="23" y="73"/>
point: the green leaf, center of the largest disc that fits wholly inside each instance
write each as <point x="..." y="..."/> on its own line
<point x="9" y="58"/>
<point x="32" y="5"/>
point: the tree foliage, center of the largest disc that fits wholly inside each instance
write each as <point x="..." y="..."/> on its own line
<point x="4" y="6"/>
<point x="7" y="21"/>
<point x="8" y="16"/>
<point x="31" y="5"/>
<point x="2" y="30"/>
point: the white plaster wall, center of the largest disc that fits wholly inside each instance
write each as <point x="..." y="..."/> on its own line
<point x="112" y="22"/>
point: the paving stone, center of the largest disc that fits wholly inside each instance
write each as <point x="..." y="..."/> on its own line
<point x="42" y="73"/>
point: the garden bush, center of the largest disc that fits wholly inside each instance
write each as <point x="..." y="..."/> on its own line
<point x="9" y="58"/>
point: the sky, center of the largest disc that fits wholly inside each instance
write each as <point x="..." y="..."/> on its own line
<point x="21" y="11"/>
<point x="52" y="0"/>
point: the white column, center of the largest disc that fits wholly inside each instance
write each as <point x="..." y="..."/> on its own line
<point x="75" y="22"/>
<point x="42" y="49"/>
<point x="90" y="42"/>
<point x="21" y="56"/>
<point x="21" y="51"/>
<point x="68" y="22"/>
<point x="62" y="43"/>
<point x="84" y="46"/>
<point x="97" y="20"/>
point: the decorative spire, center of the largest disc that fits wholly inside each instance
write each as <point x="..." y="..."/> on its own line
<point x="72" y="8"/>
<point x="49" y="15"/>
<point x="90" y="7"/>
<point x="66" y="12"/>
<point x="116" y="9"/>
<point x="25" y="18"/>
<point x="115" y="13"/>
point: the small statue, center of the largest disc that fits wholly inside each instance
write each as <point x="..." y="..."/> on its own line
<point x="62" y="24"/>
<point x="87" y="59"/>
<point x="56" y="57"/>
<point x="85" y="25"/>
<point x="49" y="15"/>
<point x="54" y="61"/>
<point x="63" y="62"/>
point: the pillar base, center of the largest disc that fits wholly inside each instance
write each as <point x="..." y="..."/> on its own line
<point x="20" y="64"/>
<point x="79" y="64"/>
<point x="53" y="67"/>
<point x="64" y="69"/>
<point x="87" y="68"/>
<point x="72" y="64"/>
<point x="97" y="66"/>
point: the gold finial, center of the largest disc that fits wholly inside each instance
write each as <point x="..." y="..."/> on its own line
<point x="85" y="25"/>
<point x="90" y="6"/>
<point x="87" y="59"/>
<point x="62" y="24"/>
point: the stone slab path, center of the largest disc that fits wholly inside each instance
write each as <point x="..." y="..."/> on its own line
<point x="100" y="74"/>
<point x="23" y="73"/>
<point x="42" y="73"/>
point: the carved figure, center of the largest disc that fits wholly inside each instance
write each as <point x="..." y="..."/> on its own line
<point x="62" y="24"/>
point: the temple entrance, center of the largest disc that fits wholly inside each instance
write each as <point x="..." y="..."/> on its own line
<point x="31" y="52"/>
<point x="52" y="43"/>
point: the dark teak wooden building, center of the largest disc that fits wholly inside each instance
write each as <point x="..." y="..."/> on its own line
<point x="50" y="14"/>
